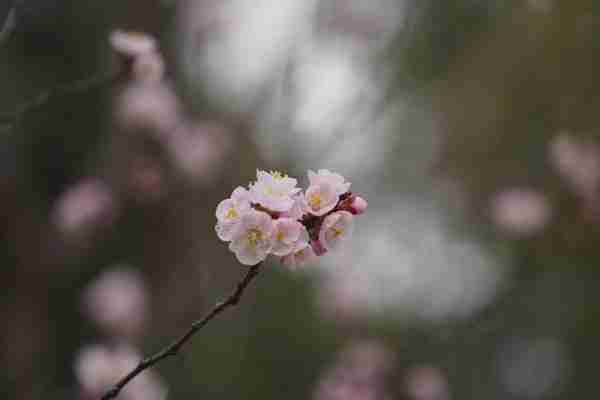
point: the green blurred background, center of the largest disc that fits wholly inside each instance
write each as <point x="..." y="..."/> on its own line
<point x="470" y="126"/>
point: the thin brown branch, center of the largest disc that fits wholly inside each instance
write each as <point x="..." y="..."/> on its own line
<point x="14" y="117"/>
<point x="174" y="348"/>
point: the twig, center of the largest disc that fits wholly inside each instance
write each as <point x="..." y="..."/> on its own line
<point x="101" y="79"/>
<point x="173" y="348"/>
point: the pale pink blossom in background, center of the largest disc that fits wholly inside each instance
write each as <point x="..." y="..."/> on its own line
<point x="146" y="181"/>
<point x="251" y="241"/>
<point x="97" y="368"/>
<point x="359" y="373"/>
<point x="148" y="68"/>
<point x="336" y="230"/>
<point x="427" y="383"/>
<point x="151" y="107"/>
<point x="117" y="302"/>
<point x="520" y="211"/>
<point x="343" y="299"/>
<point x="578" y="164"/>
<point x="199" y="150"/>
<point x="132" y="44"/>
<point x="83" y="207"/>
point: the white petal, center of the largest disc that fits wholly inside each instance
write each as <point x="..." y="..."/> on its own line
<point x="225" y="230"/>
<point x="223" y="208"/>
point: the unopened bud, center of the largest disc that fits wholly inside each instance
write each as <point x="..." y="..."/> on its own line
<point x="358" y="205"/>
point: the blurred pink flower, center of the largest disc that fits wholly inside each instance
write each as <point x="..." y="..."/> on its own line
<point x="426" y="383"/>
<point x="359" y="373"/>
<point x="520" y="211"/>
<point x="146" y="180"/>
<point x="148" y="68"/>
<point x="198" y="150"/>
<point x="343" y="299"/>
<point x="148" y="107"/>
<point x="141" y="54"/>
<point x="85" y="206"/>
<point x="577" y="162"/>
<point x="117" y="302"/>
<point x="98" y="368"/>
<point x="131" y="43"/>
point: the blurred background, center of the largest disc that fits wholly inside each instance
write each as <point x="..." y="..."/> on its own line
<point x="471" y="127"/>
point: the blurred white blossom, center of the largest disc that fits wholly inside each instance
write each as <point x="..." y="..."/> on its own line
<point x="520" y="211"/>
<point x="84" y="207"/>
<point x="117" y="302"/>
<point x="98" y="368"/>
<point x="359" y="373"/>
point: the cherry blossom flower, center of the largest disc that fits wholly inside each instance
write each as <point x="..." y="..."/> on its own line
<point x="298" y="208"/>
<point x="275" y="217"/>
<point x="321" y="198"/>
<point x="337" y="181"/>
<point x="251" y="239"/>
<point x="286" y="233"/>
<point x="274" y="190"/>
<point x="336" y="229"/>
<point x="98" y="367"/>
<point x="229" y="212"/>
<point x="302" y="253"/>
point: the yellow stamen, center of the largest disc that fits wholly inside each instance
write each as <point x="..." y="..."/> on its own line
<point x="278" y="175"/>
<point x="315" y="200"/>
<point x="279" y="236"/>
<point x="337" y="231"/>
<point x="231" y="213"/>
<point x="254" y="236"/>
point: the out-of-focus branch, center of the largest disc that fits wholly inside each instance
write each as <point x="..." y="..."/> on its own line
<point x="174" y="348"/>
<point x="105" y="78"/>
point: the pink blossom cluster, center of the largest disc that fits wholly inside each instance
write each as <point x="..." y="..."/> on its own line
<point x="361" y="372"/>
<point x="274" y="216"/>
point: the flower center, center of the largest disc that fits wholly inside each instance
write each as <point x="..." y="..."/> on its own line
<point x="254" y="236"/>
<point x="315" y="200"/>
<point x="231" y="213"/>
<point x="337" y="231"/>
<point x="278" y="175"/>
<point x="279" y="236"/>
